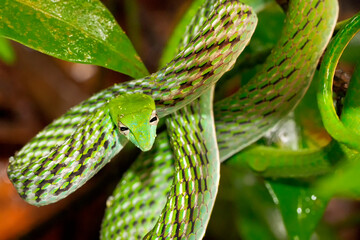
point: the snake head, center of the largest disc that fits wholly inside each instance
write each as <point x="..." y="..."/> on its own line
<point x="135" y="117"/>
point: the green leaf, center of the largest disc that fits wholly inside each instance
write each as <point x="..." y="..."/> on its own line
<point x="252" y="209"/>
<point x="300" y="206"/>
<point x="7" y="54"/>
<point x="344" y="182"/>
<point x="81" y="31"/>
<point x="172" y="44"/>
<point x="132" y="16"/>
<point x="258" y="216"/>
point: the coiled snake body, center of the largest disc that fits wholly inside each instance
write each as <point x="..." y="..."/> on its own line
<point x="68" y="152"/>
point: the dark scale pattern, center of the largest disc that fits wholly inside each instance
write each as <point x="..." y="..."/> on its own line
<point x="55" y="176"/>
<point x="135" y="205"/>
<point x="165" y="152"/>
<point x="202" y="62"/>
<point x="137" y="201"/>
<point x="150" y="203"/>
<point x="196" y="23"/>
<point x="211" y="52"/>
<point x="196" y="177"/>
<point x="286" y="75"/>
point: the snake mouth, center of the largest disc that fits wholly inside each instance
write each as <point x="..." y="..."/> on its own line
<point x="145" y="147"/>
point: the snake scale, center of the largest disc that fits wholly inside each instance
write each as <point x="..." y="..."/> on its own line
<point x="153" y="167"/>
<point x="170" y="194"/>
<point x="53" y="164"/>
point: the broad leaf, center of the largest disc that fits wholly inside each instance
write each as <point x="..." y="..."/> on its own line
<point x="7" y="54"/>
<point x="301" y="208"/>
<point x="81" y="31"/>
<point x="243" y="204"/>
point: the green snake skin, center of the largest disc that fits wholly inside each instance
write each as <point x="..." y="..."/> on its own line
<point x="133" y="210"/>
<point x="265" y="100"/>
<point x="170" y="191"/>
<point x="143" y="191"/>
<point x="337" y="129"/>
<point x="283" y="80"/>
<point x="197" y="172"/>
<point x="194" y="176"/>
<point x="63" y="156"/>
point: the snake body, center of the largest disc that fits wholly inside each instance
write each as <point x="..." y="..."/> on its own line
<point x="197" y="172"/>
<point x="240" y="119"/>
<point x="257" y="106"/>
<point x="283" y="80"/>
<point x="56" y="163"/>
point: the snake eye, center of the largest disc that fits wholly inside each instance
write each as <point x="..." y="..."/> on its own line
<point x="123" y="129"/>
<point x="154" y="118"/>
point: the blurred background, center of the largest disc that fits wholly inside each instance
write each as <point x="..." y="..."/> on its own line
<point x="35" y="89"/>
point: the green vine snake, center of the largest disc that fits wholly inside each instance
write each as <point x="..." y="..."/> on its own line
<point x="170" y="194"/>
<point x="69" y="151"/>
<point x="152" y="164"/>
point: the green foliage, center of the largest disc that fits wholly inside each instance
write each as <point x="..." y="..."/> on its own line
<point x="73" y="30"/>
<point x="7" y="54"/>
<point x="84" y="31"/>
<point x="351" y="53"/>
<point x="300" y="206"/>
<point x="344" y="182"/>
<point x="171" y="46"/>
